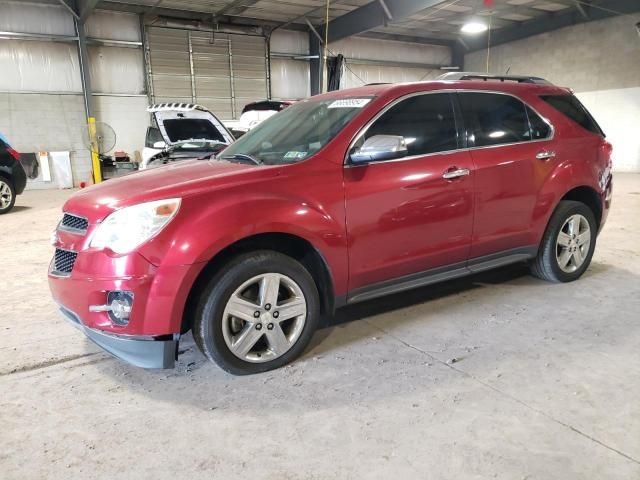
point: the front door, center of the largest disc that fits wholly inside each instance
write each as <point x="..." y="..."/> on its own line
<point x="414" y="213"/>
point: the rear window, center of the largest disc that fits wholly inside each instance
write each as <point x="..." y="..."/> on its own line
<point x="494" y="119"/>
<point x="571" y="107"/>
<point x="264" y="106"/>
<point x="4" y="143"/>
<point x="191" y="129"/>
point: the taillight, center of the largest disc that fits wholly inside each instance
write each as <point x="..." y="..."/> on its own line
<point x="15" y="154"/>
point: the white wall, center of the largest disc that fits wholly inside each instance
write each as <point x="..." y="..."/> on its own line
<point x="129" y="118"/>
<point x="289" y="77"/>
<point x="599" y="60"/>
<point x="362" y="49"/>
<point x="40" y="86"/>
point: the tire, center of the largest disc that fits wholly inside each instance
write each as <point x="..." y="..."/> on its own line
<point x="7" y="195"/>
<point x="245" y="279"/>
<point x="551" y="263"/>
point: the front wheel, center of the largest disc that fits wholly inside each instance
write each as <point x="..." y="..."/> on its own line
<point x="258" y="313"/>
<point x="568" y="243"/>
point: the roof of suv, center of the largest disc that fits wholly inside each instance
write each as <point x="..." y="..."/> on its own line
<point x="398" y="89"/>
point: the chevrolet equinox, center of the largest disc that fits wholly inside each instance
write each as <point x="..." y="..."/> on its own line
<point x="338" y="199"/>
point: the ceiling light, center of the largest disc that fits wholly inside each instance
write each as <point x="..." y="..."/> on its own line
<point x="474" y="27"/>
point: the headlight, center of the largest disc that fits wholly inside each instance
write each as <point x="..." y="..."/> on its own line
<point x="125" y="229"/>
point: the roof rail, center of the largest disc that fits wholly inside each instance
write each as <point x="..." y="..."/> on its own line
<point x="491" y="77"/>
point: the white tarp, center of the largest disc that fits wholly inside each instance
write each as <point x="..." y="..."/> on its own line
<point x="289" y="79"/>
<point x="108" y="25"/>
<point x="27" y="17"/>
<point x="34" y="66"/>
<point x="61" y="164"/>
<point x="289" y="41"/>
<point x="116" y="70"/>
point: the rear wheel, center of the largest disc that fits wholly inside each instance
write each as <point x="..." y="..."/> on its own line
<point x="568" y="243"/>
<point x="7" y="195"/>
<point x="257" y="314"/>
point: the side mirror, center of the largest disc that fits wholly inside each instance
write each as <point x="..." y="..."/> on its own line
<point x="160" y="145"/>
<point x="380" y="147"/>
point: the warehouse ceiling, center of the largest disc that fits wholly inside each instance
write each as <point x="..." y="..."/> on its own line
<point x="435" y="21"/>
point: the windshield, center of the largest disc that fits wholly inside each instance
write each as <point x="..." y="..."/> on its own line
<point x="297" y="132"/>
<point x="197" y="145"/>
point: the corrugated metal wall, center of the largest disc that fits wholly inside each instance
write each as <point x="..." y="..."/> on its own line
<point x="222" y="72"/>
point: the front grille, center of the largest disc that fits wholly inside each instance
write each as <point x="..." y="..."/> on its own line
<point x="63" y="261"/>
<point x="74" y="223"/>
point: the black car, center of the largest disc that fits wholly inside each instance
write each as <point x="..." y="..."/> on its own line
<point x="13" y="179"/>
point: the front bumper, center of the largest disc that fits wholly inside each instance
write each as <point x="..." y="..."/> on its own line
<point x="147" y="352"/>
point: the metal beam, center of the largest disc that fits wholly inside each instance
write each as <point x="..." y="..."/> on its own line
<point x="408" y="38"/>
<point x="581" y="9"/>
<point x="86" y="7"/>
<point x="313" y="30"/>
<point x="158" y="11"/>
<point x="38" y="36"/>
<point x="315" y="65"/>
<point x="235" y="8"/>
<point x="372" y="15"/>
<point x="554" y="22"/>
<point x="71" y="7"/>
<point x="83" y="54"/>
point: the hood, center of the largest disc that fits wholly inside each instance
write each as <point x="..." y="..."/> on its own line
<point x="185" y="121"/>
<point x="180" y="179"/>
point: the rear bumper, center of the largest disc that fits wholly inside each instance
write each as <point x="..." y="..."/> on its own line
<point x="606" y="202"/>
<point x="142" y="352"/>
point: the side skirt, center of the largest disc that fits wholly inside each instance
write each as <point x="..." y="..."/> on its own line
<point x="441" y="274"/>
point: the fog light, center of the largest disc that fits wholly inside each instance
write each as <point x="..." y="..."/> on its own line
<point x="121" y="303"/>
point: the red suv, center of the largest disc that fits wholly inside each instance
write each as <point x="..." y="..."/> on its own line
<point x="338" y="199"/>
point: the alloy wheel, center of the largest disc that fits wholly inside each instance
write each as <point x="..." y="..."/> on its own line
<point x="5" y="195"/>
<point x="572" y="245"/>
<point x="264" y="317"/>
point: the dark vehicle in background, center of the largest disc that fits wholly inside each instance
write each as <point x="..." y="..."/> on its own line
<point x="13" y="179"/>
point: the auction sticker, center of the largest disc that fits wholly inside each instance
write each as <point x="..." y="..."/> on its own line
<point x="295" y="155"/>
<point x="349" y="103"/>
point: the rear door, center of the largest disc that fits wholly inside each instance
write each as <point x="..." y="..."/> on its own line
<point x="402" y="215"/>
<point x="509" y="142"/>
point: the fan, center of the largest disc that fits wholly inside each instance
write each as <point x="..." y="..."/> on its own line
<point x="105" y="137"/>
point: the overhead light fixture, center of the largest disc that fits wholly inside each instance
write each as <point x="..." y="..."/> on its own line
<point x="474" y="27"/>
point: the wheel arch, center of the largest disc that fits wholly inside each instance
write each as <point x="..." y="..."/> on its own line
<point x="587" y="195"/>
<point x="288" y="244"/>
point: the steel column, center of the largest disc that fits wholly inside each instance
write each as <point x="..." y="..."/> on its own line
<point x="316" y="73"/>
<point x="85" y="77"/>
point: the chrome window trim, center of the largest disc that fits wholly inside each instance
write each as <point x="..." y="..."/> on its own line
<point x="366" y="127"/>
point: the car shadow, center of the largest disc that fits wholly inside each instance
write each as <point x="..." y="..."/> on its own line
<point x="194" y="378"/>
<point x="19" y="208"/>
<point x="409" y="298"/>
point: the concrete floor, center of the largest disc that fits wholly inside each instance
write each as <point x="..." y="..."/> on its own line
<point x="495" y="376"/>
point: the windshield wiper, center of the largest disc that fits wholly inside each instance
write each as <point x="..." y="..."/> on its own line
<point x="242" y="157"/>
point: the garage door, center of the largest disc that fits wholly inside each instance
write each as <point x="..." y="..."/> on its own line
<point x="222" y="72"/>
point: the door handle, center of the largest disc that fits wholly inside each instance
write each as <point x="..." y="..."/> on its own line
<point x="545" y="155"/>
<point x="458" y="172"/>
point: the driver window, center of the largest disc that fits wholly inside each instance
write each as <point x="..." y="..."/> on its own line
<point x="426" y="122"/>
